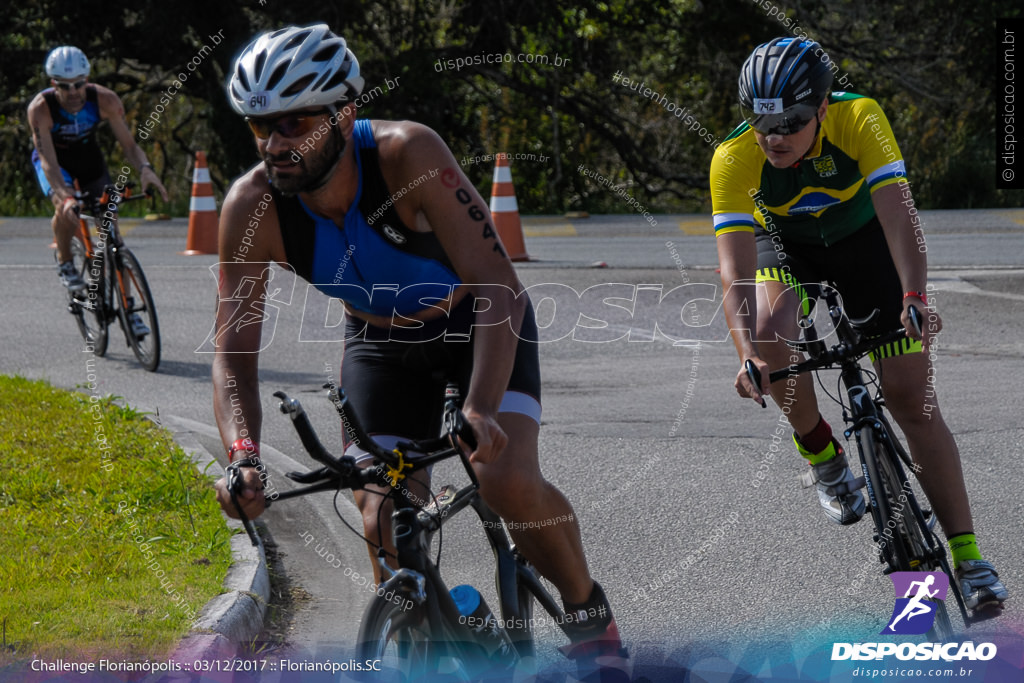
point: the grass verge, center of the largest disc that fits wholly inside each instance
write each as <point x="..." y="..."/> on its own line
<point x="111" y="540"/>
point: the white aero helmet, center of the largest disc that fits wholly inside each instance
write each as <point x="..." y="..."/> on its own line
<point x="293" y="68"/>
<point x="66" y="61"/>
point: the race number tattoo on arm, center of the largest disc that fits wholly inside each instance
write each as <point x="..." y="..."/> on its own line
<point x="451" y="179"/>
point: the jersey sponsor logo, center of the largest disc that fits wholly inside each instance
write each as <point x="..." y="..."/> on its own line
<point x="393" y="235"/>
<point x="812" y="202"/>
<point x="768" y="106"/>
<point x="825" y="166"/>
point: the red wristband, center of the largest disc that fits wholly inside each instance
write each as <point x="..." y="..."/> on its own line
<point x="919" y="295"/>
<point x="248" y="445"/>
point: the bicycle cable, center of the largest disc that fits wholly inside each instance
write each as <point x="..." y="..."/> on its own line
<point x="344" y="521"/>
<point x="839" y="401"/>
<point x="379" y="546"/>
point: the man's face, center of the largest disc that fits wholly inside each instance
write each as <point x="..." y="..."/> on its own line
<point x="70" y="92"/>
<point x="298" y="149"/>
<point x="785" y="150"/>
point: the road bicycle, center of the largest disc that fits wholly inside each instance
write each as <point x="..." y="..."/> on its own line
<point x="904" y="531"/>
<point x="413" y="623"/>
<point x="116" y="287"/>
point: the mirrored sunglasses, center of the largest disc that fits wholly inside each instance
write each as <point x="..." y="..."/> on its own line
<point x="289" y="125"/>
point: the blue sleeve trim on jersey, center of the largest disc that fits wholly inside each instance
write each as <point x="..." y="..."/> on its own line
<point x="733" y="220"/>
<point x="893" y="170"/>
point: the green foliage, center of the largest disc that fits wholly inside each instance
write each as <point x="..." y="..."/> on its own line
<point x="79" y="502"/>
<point x="928" y="63"/>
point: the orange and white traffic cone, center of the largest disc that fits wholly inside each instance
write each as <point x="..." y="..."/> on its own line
<point x="505" y="210"/>
<point x="202" y="212"/>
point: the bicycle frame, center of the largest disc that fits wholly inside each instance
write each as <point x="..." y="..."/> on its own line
<point x="111" y="243"/>
<point x="414" y="525"/>
<point x="866" y="418"/>
<point x="112" y="266"/>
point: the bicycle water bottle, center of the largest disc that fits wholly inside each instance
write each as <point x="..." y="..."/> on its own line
<point x="478" y="617"/>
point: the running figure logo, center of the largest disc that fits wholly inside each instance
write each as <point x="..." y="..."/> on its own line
<point x="916" y="593"/>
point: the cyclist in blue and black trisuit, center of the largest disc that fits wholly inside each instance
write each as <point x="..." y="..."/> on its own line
<point x="379" y="214"/>
<point x="64" y="119"/>
<point x="813" y="187"/>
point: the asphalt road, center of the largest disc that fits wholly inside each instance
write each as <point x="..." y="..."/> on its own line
<point x="645" y="436"/>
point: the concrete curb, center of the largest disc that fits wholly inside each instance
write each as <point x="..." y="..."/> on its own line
<point x="235" y="617"/>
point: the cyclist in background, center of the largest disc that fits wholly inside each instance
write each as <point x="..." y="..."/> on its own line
<point x="356" y="206"/>
<point x="812" y="187"/>
<point x="64" y="119"/>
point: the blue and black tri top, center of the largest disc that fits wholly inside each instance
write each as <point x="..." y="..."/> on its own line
<point x="381" y="269"/>
<point x="74" y="137"/>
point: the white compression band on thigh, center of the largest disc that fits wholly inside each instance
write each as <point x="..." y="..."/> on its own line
<point x="518" y="402"/>
<point x="511" y="402"/>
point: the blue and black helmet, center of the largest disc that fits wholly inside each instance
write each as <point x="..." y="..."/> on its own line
<point x="782" y="84"/>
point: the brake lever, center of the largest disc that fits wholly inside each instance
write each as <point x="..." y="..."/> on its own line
<point x="915" y="320"/>
<point x="754" y="375"/>
<point x="461" y="428"/>
<point x="234" y="486"/>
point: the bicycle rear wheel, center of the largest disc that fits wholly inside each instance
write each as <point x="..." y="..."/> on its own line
<point x="401" y="640"/>
<point x="88" y="308"/>
<point x="136" y="299"/>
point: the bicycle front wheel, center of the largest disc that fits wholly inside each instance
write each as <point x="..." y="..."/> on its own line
<point x="88" y="308"/>
<point x="883" y="492"/>
<point x="922" y="548"/>
<point x="137" y="311"/>
<point x="399" y="642"/>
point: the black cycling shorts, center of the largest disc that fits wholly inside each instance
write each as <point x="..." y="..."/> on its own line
<point x="860" y="267"/>
<point x="397" y="387"/>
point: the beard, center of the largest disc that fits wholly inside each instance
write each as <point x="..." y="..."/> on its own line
<point x="309" y="171"/>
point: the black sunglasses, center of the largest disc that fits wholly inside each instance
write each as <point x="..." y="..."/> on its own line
<point x="791" y="121"/>
<point x="69" y="86"/>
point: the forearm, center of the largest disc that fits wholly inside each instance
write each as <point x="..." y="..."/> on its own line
<point x="137" y="158"/>
<point x="236" y="399"/>
<point x="904" y="235"/>
<point x="910" y="258"/>
<point x="739" y="265"/>
<point x="56" y="179"/>
<point x="496" y="337"/>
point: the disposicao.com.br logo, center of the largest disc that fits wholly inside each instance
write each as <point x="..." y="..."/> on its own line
<point x="917" y="594"/>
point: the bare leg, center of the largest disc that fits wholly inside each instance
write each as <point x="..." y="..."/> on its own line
<point x="913" y="404"/>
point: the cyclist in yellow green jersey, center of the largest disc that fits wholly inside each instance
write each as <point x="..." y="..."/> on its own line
<point x="812" y="187"/>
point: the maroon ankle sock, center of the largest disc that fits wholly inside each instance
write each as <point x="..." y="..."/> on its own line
<point x="819" y="438"/>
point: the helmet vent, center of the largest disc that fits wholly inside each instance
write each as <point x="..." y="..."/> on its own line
<point x="336" y="80"/>
<point x="326" y="54"/>
<point x="261" y="60"/>
<point x="243" y="79"/>
<point x="277" y="75"/>
<point x="298" y="86"/>
<point x="296" y="41"/>
<point x="320" y="82"/>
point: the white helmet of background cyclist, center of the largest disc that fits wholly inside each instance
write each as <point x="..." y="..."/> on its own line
<point x="293" y="68"/>
<point x="66" y="61"/>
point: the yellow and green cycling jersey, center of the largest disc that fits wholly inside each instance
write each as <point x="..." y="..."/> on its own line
<point x="821" y="199"/>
